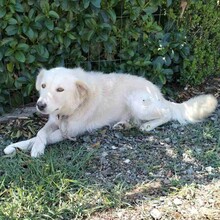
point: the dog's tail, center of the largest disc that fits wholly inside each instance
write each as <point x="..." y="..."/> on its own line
<point x="194" y="110"/>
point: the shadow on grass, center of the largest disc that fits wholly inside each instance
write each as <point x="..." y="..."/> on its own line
<point x="108" y="170"/>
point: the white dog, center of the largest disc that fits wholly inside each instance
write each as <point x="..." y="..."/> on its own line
<point x="78" y="101"/>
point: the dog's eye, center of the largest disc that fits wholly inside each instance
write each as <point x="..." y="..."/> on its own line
<point x="60" y="89"/>
<point x="43" y="86"/>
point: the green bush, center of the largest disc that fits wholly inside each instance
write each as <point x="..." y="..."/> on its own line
<point x="203" y="32"/>
<point x="135" y="36"/>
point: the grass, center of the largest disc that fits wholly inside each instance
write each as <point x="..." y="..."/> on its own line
<point x="63" y="184"/>
<point x="53" y="187"/>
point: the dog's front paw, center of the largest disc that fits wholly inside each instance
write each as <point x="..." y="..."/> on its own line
<point x="36" y="152"/>
<point x="10" y="149"/>
<point x="37" y="149"/>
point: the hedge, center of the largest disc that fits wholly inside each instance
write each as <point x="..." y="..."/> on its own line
<point x="202" y="22"/>
<point x="146" y="38"/>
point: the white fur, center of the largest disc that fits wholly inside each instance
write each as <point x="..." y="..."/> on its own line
<point x="92" y="100"/>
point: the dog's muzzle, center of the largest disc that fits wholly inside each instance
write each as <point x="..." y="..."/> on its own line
<point x="41" y="105"/>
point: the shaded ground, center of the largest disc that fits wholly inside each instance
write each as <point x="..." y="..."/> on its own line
<point x="170" y="173"/>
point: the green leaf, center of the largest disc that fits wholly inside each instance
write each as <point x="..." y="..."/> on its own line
<point x="23" y="47"/>
<point x="11" y="30"/>
<point x="89" y="34"/>
<point x="147" y="62"/>
<point x="185" y="51"/>
<point x="30" y="58"/>
<point x="86" y="3"/>
<point x="141" y="3"/>
<point x="53" y="14"/>
<point x="12" y="21"/>
<point x="13" y="43"/>
<point x="167" y="72"/>
<point x="91" y="23"/>
<point x="59" y="38"/>
<point x="22" y="80"/>
<point x="151" y="9"/>
<point x="1" y="55"/>
<point x="103" y="37"/>
<point x="176" y="57"/>
<point x="85" y="47"/>
<point x="49" y="24"/>
<point x="19" y="7"/>
<point x="28" y="89"/>
<point x="112" y="15"/>
<point x="19" y="56"/>
<point x="42" y="51"/>
<point x="71" y="36"/>
<point x="31" y="13"/>
<point x="30" y="33"/>
<point x="169" y="2"/>
<point x="67" y="42"/>
<point x="162" y="79"/>
<point x="43" y="35"/>
<point x="9" y="52"/>
<point x="167" y="60"/>
<point x="40" y="17"/>
<point x="106" y="26"/>
<point x="10" y="67"/>
<point x="2" y="12"/>
<point x="7" y="40"/>
<point x="131" y="52"/>
<point x="45" y="6"/>
<point x="17" y="85"/>
<point x="96" y="3"/>
<point x="156" y="27"/>
<point x="158" y="62"/>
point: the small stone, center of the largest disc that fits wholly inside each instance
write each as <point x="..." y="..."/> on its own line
<point x="120" y="214"/>
<point x="104" y="154"/>
<point x="118" y="135"/>
<point x="127" y="161"/>
<point x="177" y="201"/>
<point x="107" y="172"/>
<point x="167" y="140"/>
<point x="213" y="118"/>
<point x="166" y="181"/>
<point x="169" y="203"/>
<point x="209" y="169"/>
<point x="175" y="126"/>
<point x="211" y="201"/>
<point x="190" y="171"/>
<point x="155" y="213"/>
<point x="174" y="140"/>
<point x="194" y="211"/>
<point x="198" y="150"/>
<point x="114" y="147"/>
<point x="87" y="139"/>
<point x="200" y="202"/>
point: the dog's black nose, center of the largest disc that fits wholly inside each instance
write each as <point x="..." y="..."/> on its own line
<point x="41" y="105"/>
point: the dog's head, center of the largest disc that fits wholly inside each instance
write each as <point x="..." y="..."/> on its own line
<point x="61" y="92"/>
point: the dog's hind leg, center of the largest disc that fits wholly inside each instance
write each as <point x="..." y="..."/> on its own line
<point x="122" y="125"/>
<point x="150" y="125"/>
<point x="149" y="111"/>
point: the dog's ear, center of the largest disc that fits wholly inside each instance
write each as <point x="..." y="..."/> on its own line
<point x="82" y="89"/>
<point x="39" y="79"/>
